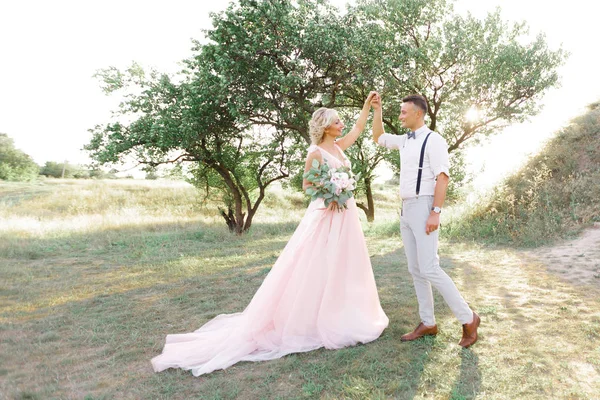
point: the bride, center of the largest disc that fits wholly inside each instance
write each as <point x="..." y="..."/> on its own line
<point x="319" y="293"/>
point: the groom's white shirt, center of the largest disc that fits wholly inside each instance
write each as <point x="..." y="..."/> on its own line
<point x="434" y="163"/>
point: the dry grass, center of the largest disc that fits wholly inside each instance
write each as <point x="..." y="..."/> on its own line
<point x="94" y="274"/>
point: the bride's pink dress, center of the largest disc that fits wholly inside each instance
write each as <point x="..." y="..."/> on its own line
<point x="320" y="293"/>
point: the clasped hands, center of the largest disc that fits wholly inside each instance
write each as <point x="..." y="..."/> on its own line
<point x="373" y="100"/>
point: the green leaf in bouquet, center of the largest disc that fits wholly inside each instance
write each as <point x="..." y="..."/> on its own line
<point x="343" y="198"/>
<point x="315" y="164"/>
<point x="310" y="191"/>
<point x="313" y="177"/>
<point x="328" y="195"/>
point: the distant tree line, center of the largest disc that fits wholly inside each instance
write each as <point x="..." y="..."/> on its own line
<point x="17" y="166"/>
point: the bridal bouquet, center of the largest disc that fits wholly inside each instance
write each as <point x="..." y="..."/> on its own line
<point x="331" y="184"/>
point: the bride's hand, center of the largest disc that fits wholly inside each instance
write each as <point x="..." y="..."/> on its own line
<point x="334" y="206"/>
<point x="369" y="101"/>
<point x="376" y="101"/>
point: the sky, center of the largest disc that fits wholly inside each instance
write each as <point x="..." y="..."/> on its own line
<point x="49" y="52"/>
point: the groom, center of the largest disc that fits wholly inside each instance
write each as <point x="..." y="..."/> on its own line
<point x="424" y="175"/>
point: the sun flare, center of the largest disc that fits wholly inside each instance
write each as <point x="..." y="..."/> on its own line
<point x="472" y="115"/>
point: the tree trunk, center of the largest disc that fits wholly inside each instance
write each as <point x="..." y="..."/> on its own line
<point x="234" y="219"/>
<point x="229" y="218"/>
<point x="252" y="210"/>
<point x="369" y="209"/>
<point x="239" y="217"/>
<point x="234" y="224"/>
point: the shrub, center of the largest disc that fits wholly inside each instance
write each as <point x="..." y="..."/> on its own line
<point x="15" y="165"/>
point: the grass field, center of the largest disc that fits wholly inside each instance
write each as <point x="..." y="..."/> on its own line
<point x="94" y="274"/>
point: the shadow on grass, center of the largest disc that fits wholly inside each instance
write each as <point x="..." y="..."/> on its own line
<point x="468" y="384"/>
<point x="417" y="356"/>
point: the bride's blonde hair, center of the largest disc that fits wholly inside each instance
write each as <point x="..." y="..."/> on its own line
<point x="320" y="120"/>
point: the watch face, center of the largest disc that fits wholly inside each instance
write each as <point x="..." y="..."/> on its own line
<point x="437" y="210"/>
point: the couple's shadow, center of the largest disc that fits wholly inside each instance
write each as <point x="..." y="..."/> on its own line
<point x="468" y="383"/>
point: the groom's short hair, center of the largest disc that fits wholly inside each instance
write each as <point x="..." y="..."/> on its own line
<point x="418" y="101"/>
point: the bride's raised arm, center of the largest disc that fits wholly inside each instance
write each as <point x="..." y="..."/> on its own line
<point x="349" y="139"/>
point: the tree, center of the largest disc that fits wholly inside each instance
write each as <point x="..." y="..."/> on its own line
<point x="15" y="165"/>
<point x="192" y="121"/>
<point x="282" y="60"/>
<point x="478" y="76"/>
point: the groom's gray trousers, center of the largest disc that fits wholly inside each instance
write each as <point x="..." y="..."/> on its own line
<point x="424" y="264"/>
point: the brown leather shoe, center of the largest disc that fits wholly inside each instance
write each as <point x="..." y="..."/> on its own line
<point x="470" y="332"/>
<point x="419" y="332"/>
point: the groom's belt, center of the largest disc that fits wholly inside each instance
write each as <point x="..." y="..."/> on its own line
<point x="416" y="198"/>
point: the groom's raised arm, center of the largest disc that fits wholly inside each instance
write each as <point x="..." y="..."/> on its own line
<point x="379" y="136"/>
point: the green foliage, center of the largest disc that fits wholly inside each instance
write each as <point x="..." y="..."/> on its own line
<point x="281" y="61"/>
<point x="554" y="194"/>
<point x="458" y="63"/>
<point x="15" y="165"/>
<point x="458" y="177"/>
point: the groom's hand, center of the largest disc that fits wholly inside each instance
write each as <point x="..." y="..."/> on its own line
<point x="370" y="97"/>
<point x="433" y="222"/>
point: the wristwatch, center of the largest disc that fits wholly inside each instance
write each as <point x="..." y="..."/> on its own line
<point x="436" y="210"/>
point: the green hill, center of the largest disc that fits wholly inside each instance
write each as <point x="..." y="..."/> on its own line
<point x="554" y="195"/>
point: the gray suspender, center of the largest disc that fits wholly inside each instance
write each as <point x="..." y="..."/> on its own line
<point x="421" y="163"/>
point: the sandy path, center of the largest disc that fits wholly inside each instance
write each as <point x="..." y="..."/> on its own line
<point x="577" y="260"/>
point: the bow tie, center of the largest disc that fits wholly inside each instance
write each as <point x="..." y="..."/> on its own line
<point x="411" y="135"/>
